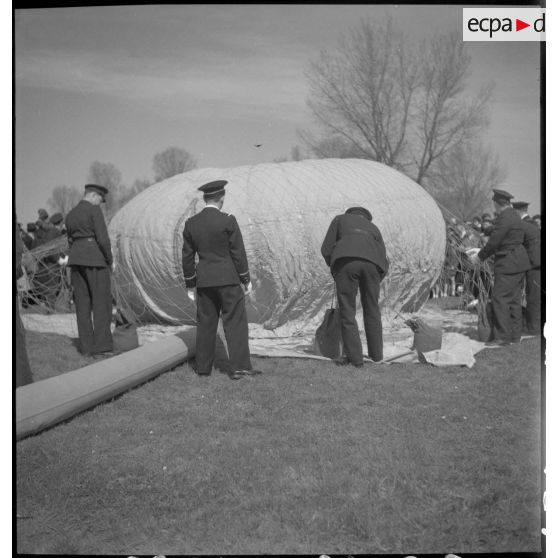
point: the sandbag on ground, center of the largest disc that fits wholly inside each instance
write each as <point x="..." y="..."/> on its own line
<point x="43" y="404"/>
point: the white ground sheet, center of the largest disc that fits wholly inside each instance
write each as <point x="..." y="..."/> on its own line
<point x="458" y="343"/>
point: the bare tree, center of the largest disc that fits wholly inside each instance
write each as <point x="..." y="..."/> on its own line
<point x="140" y="184"/>
<point x="332" y="147"/>
<point x="296" y="155"/>
<point x="64" y="198"/>
<point x="172" y="161"/>
<point x="461" y="180"/>
<point x="106" y="174"/>
<point x="393" y="102"/>
<point x="126" y="194"/>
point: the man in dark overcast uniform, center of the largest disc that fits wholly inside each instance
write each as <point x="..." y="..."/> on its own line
<point x="222" y="267"/>
<point x="533" y="276"/>
<point x="354" y="250"/>
<point x="90" y="261"/>
<point x="510" y="264"/>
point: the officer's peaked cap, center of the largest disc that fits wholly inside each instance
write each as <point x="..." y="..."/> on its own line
<point x="501" y="195"/>
<point x="56" y="218"/>
<point x="215" y="187"/>
<point x="520" y="205"/>
<point x="360" y="210"/>
<point x="102" y="190"/>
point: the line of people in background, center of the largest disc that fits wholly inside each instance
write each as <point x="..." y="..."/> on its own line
<point x="43" y="230"/>
<point x="46" y="276"/>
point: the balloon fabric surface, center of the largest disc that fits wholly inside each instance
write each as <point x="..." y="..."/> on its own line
<point x="284" y="211"/>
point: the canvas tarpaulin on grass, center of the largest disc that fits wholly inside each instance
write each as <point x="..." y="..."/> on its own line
<point x="284" y="210"/>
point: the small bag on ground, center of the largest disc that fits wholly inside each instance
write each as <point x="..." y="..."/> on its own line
<point x="328" y="340"/>
<point x="485" y="321"/>
<point x="125" y="334"/>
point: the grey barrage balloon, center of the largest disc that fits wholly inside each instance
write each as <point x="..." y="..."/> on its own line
<point x="284" y="210"/>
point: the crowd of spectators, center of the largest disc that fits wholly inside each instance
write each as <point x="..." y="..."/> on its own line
<point x="43" y="276"/>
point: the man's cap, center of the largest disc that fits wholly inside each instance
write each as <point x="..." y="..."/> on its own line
<point x="42" y="213"/>
<point x="31" y="227"/>
<point x="361" y="210"/>
<point x="215" y="187"/>
<point x="101" y="190"/>
<point x="56" y="218"/>
<point x="486" y="216"/>
<point x="501" y="195"/>
<point x="520" y="205"/>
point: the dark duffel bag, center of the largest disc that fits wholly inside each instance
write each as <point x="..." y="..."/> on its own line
<point x="125" y="338"/>
<point x="327" y="341"/>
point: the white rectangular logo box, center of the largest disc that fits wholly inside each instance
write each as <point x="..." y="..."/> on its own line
<point x="504" y="24"/>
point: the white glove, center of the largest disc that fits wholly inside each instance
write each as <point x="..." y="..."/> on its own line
<point x="473" y="255"/>
<point x="248" y="288"/>
<point x="63" y="260"/>
<point x="474" y="259"/>
<point x="191" y="294"/>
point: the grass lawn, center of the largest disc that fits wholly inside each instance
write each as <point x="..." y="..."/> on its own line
<point x="307" y="458"/>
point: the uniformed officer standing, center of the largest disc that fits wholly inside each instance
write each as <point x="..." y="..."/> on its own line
<point x="90" y="260"/>
<point x="354" y="250"/>
<point x="510" y="264"/>
<point x="533" y="276"/>
<point x="216" y="238"/>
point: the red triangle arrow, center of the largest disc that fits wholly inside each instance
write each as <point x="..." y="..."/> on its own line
<point x="519" y="25"/>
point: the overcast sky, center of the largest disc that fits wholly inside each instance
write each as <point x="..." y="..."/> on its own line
<point x="119" y="84"/>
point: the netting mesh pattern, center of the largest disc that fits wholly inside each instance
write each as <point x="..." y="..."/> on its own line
<point x="284" y="210"/>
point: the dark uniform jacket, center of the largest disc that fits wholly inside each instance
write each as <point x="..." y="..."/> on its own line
<point x="88" y="236"/>
<point x="506" y="244"/>
<point x="352" y="235"/>
<point x="532" y="241"/>
<point x="51" y="234"/>
<point x="216" y="238"/>
<point x="40" y="233"/>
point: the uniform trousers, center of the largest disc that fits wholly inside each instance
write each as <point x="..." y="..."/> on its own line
<point x="226" y="301"/>
<point x="506" y="306"/>
<point x="533" y="295"/>
<point x="352" y="275"/>
<point x="92" y="295"/>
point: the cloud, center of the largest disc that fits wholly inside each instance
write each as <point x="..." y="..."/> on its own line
<point x="257" y="85"/>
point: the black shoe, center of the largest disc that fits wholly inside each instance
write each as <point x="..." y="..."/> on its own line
<point x="497" y="343"/>
<point x="105" y="354"/>
<point x="204" y="375"/>
<point x="248" y="372"/>
<point x="341" y="361"/>
<point x="235" y="375"/>
<point x="344" y="361"/>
